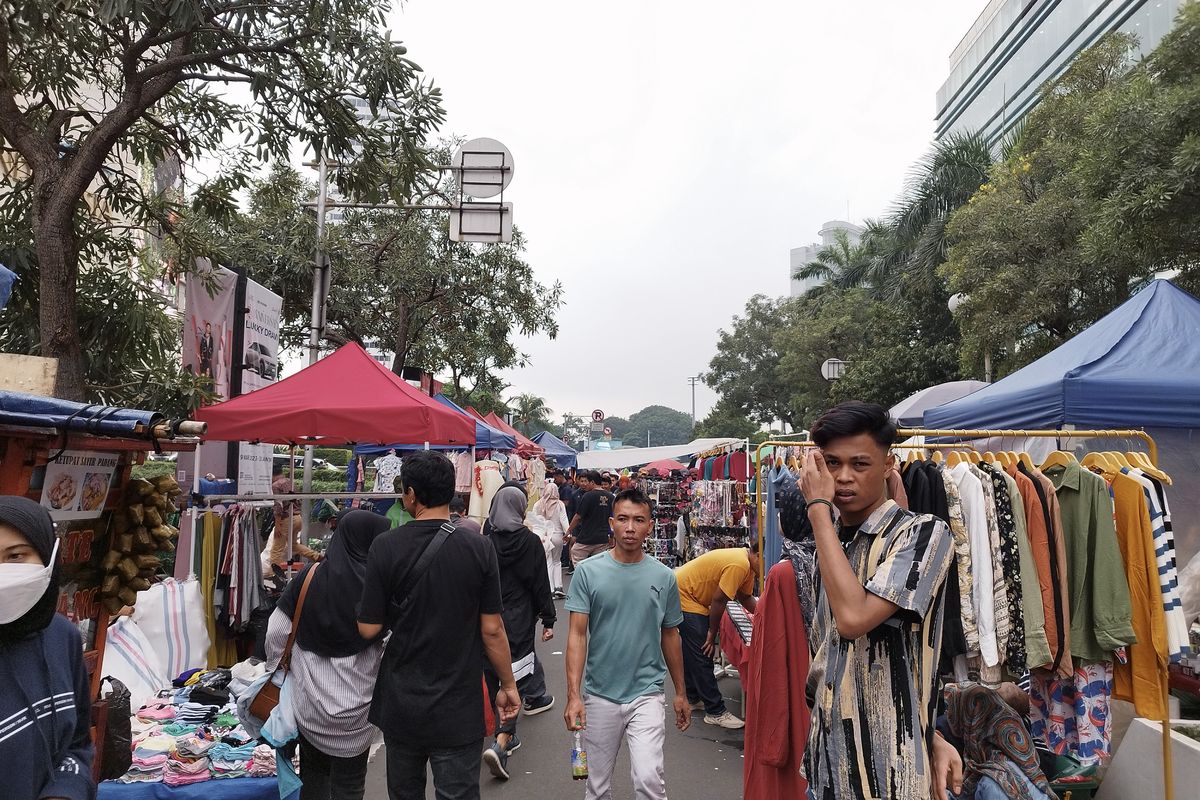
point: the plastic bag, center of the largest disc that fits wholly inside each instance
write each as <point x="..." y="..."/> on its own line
<point x="117" y="754"/>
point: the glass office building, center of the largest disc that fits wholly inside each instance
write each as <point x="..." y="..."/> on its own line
<point x="1015" y="46"/>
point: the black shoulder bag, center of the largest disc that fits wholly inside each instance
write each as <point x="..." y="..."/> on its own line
<point x="412" y="578"/>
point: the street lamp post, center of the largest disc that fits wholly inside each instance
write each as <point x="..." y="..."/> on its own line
<point x="953" y="304"/>
<point x="693" y="381"/>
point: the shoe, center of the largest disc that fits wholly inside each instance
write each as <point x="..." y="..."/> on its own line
<point x="497" y="761"/>
<point x="535" y="707"/>
<point x="559" y="594"/>
<point x="725" y="720"/>
<point x="697" y="706"/>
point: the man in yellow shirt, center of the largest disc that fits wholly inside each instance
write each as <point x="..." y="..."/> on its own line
<point x="706" y="585"/>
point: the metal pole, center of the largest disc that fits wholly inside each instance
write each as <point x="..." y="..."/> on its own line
<point x="317" y="317"/>
<point x="693" y="381"/>
<point x="987" y="367"/>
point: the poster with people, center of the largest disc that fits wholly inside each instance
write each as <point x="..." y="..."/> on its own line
<point x="208" y="328"/>
<point x="76" y="484"/>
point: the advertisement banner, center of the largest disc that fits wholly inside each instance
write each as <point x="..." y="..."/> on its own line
<point x="76" y="484"/>
<point x="208" y="330"/>
<point x="260" y="343"/>
<point x="254" y="468"/>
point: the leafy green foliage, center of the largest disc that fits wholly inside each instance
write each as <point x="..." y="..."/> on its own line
<point x="93" y="94"/>
<point x="530" y="415"/>
<point x="1095" y="197"/>
<point x="664" y="425"/>
<point x="724" y="421"/>
<point x="398" y="282"/>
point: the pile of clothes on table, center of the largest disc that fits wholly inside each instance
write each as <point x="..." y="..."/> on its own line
<point x="191" y="733"/>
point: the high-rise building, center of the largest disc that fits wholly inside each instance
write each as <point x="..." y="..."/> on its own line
<point x="1015" y="46"/>
<point x="800" y="256"/>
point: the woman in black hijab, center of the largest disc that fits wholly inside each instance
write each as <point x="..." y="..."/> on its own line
<point x="333" y="669"/>
<point x="45" y="702"/>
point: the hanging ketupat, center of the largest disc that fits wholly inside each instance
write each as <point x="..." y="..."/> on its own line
<point x="139" y="533"/>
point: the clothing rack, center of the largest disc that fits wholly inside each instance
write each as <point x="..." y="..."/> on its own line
<point x="904" y="433"/>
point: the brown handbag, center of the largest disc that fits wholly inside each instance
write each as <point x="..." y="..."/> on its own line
<point x="267" y="698"/>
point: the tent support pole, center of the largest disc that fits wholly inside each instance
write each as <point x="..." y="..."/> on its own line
<point x="1152" y="446"/>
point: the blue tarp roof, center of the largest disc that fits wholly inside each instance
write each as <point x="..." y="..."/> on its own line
<point x="486" y="437"/>
<point x="1139" y="366"/>
<point x="31" y="410"/>
<point x="564" y="456"/>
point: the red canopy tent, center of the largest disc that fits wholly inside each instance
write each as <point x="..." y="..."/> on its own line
<point x="346" y="398"/>
<point x="525" y="445"/>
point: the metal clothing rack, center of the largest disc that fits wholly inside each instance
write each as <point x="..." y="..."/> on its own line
<point x="1147" y="439"/>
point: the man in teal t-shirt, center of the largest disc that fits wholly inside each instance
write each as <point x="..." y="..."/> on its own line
<point x="625" y="619"/>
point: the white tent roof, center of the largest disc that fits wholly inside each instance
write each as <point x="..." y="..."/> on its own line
<point x="636" y="456"/>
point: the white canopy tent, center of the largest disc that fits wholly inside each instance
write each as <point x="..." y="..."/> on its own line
<point x="636" y="456"/>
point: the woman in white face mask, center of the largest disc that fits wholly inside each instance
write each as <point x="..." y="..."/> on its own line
<point x="45" y="701"/>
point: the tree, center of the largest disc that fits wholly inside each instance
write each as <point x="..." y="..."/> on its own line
<point x="660" y="426"/>
<point x="745" y="369"/>
<point x="619" y="426"/>
<point x="398" y="281"/>
<point x="90" y="94"/>
<point x="530" y="414"/>
<point x="575" y="429"/>
<point x="1023" y="247"/>
<point x="725" y="421"/>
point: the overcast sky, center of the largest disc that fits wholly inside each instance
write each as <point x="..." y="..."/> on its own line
<point x="669" y="155"/>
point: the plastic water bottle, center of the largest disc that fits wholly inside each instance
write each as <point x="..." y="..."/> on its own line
<point x="578" y="761"/>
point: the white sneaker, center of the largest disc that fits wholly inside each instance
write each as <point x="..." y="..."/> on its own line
<point x="726" y="720"/>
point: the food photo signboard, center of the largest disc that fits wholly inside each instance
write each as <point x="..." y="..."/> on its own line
<point x="77" y="482"/>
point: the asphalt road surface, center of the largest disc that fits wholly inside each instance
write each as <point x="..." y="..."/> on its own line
<point x="703" y="762"/>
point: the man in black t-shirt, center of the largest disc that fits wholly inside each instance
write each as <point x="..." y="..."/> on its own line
<point x="428" y="698"/>
<point x="589" y="529"/>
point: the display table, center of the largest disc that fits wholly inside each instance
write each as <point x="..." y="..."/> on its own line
<point x="230" y="789"/>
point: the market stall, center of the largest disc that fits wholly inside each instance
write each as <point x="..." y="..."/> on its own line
<point x="76" y="460"/>
<point x="565" y="456"/>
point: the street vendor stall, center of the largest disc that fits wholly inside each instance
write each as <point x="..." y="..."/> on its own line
<point x="76" y="459"/>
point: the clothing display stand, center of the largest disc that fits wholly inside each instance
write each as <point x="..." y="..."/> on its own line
<point x="969" y="434"/>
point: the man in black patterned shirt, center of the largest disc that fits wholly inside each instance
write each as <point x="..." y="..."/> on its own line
<point x="877" y="629"/>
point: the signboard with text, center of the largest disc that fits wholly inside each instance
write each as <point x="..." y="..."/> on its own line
<point x="77" y="482"/>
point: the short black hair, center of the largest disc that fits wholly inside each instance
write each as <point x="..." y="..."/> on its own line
<point x="753" y="546"/>
<point x="457" y="505"/>
<point x="592" y="475"/>
<point x="431" y="477"/>
<point x="632" y="495"/>
<point x="851" y="419"/>
<point x="277" y="468"/>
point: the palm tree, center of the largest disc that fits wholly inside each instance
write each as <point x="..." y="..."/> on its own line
<point x="938" y="184"/>
<point x="847" y="265"/>
<point x="530" y="411"/>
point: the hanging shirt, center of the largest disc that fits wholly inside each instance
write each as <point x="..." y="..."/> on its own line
<point x="1033" y="618"/>
<point x="1143" y="679"/>
<point x="1099" y="591"/>
<point x="1044" y="488"/>
<point x="1072" y="714"/>
<point x="872" y="698"/>
<point x="1010" y="557"/>
<point x="964" y="584"/>
<point x="739" y="466"/>
<point x="776" y="711"/>
<point x="387" y="469"/>
<point x="983" y="599"/>
<point x="999" y="590"/>
<point x="1164" y="546"/>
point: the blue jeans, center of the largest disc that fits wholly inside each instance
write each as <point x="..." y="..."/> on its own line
<point x="697" y="667"/>
<point x="988" y="789"/>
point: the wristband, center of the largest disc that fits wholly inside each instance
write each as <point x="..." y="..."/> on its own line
<point x="820" y="501"/>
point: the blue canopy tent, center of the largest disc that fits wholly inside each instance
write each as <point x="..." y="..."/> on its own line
<point x="1137" y="367"/>
<point x="564" y="455"/>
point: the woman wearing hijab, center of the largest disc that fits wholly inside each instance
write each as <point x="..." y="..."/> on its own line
<point x="525" y="589"/>
<point x="550" y="523"/>
<point x="333" y="669"/>
<point x="45" y="705"/>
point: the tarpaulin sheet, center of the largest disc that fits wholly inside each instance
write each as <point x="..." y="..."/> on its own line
<point x="31" y="410"/>
<point x="347" y="397"/>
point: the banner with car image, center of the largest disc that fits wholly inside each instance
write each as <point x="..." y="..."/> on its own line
<point x="260" y="344"/>
<point x="76" y="483"/>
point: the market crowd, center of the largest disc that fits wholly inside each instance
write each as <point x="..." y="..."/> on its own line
<point x="425" y="635"/>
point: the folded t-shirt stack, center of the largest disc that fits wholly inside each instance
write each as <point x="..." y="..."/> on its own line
<point x="149" y="760"/>
<point x="182" y="770"/>
<point x="229" y="761"/>
<point x="195" y="713"/>
<point x="156" y="712"/>
<point x="263" y="765"/>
